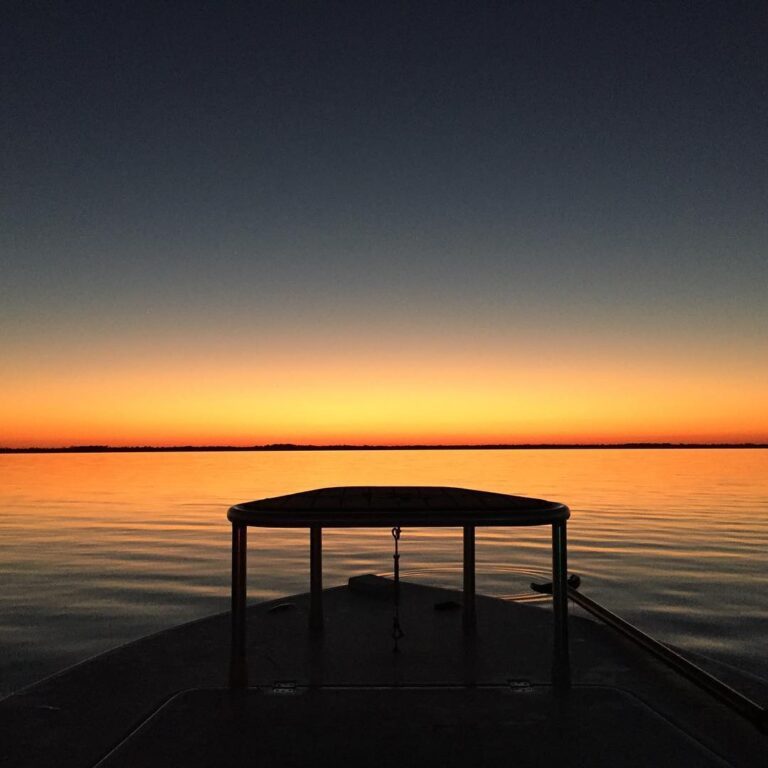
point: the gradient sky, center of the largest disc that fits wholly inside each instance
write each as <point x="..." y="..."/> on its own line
<point x="383" y="222"/>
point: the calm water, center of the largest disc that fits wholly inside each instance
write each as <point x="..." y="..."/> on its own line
<point x="98" y="549"/>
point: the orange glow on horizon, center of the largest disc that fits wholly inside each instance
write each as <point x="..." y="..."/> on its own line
<point x="463" y="399"/>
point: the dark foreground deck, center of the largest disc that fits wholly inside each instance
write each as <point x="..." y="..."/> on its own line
<point x="342" y="697"/>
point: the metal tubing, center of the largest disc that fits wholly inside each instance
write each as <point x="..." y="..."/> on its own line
<point x="316" y="578"/>
<point x="239" y="557"/>
<point x="733" y="698"/>
<point x="560" y="586"/>
<point x="470" y="618"/>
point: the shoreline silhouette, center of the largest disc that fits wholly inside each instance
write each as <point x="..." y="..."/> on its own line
<point x="373" y="447"/>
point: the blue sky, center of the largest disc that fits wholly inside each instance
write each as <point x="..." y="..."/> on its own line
<point x="452" y="174"/>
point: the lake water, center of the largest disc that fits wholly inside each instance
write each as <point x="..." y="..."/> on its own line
<point x="98" y="549"/>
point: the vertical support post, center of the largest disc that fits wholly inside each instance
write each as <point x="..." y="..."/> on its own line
<point x="469" y="579"/>
<point x="560" y="600"/>
<point x="316" y="578"/>
<point x="239" y="555"/>
<point x="238" y="674"/>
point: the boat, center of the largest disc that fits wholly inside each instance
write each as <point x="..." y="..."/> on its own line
<point x="384" y="672"/>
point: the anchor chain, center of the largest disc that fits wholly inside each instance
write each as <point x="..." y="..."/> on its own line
<point x="397" y="632"/>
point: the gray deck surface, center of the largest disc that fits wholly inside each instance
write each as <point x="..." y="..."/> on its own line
<point x="344" y="697"/>
<point x="407" y="727"/>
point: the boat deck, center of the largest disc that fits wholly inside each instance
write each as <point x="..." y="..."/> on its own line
<point x="446" y="698"/>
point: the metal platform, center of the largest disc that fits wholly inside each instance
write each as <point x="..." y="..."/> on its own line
<point x="395" y="507"/>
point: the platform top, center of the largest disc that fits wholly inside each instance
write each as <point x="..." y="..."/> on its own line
<point x="376" y="506"/>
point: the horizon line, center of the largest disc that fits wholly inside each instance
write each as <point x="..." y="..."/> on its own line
<point x="372" y="447"/>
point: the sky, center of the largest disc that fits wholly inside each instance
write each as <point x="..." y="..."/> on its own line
<point x="397" y="223"/>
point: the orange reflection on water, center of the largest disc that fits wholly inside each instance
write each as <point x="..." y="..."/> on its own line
<point x="100" y="548"/>
<point x="153" y="511"/>
<point x="148" y="486"/>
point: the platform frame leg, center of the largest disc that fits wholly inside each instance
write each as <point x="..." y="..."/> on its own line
<point x="470" y="616"/>
<point x="316" y="578"/>
<point x="238" y="672"/>
<point x="560" y="601"/>
<point x="239" y="568"/>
